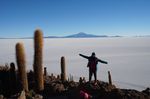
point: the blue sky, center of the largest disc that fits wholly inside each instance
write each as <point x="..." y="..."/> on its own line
<point x="19" y="18"/>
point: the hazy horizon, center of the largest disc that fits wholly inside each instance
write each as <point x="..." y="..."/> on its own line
<point x="31" y="37"/>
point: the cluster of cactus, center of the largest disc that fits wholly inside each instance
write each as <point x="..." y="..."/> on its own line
<point x="37" y="66"/>
<point x="22" y="80"/>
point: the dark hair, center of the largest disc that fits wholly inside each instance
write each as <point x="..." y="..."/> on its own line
<point x="93" y="53"/>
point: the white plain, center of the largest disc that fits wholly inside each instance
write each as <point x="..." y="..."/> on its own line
<point x="128" y="57"/>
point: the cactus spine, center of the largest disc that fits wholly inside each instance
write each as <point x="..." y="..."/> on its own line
<point x="38" y="59"/>
<point x="109" y="78"/>
<point x="21" y="63"/>
<point x="63" y="69"/>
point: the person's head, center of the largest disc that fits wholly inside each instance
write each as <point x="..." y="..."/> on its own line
<point x="93" y="54"/>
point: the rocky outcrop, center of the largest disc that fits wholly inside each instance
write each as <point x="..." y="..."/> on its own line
<point x="55" y="88"/>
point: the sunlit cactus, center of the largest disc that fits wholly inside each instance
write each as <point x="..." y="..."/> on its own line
<point x="109" y="78"/>
<point x="21" y="63"/>
<point x="63" y="69"/>
<point x="38" y="60"/>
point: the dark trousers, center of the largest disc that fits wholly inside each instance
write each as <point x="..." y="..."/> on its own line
<point x="91" y="73"/>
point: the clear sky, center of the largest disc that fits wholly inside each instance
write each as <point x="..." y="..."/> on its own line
<point x="19" y="18"/>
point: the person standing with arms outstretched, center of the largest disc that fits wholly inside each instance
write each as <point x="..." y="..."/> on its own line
<point x="92" y="64"/>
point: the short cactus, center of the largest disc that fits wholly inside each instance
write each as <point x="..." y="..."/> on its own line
<point x="21" y="63"/>
<point x="63" y="69"/>
<point x="109" y="78"/>
<point x="13" y="78"/>
<point x="45" y="71"/>
<point x="38" y="60"/>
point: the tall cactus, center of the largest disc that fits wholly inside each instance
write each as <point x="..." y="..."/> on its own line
<point x="21" y="63"/>
<point x="38" y="60"/>
<point x="109" y="78"/>
<point x="63" y="69"/>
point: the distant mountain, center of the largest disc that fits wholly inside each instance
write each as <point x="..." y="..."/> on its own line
<point x="83" y="35"/>
<point x="78" y="35"/>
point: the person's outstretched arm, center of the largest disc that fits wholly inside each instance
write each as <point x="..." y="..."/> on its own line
<point x="84" y="56"/>
<point x="99" y="60"/>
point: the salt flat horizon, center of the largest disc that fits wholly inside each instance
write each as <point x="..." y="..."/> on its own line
<point x="128" y="57"/>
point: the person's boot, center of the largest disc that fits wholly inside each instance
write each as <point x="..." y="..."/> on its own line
<point x="95" y="82"/>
